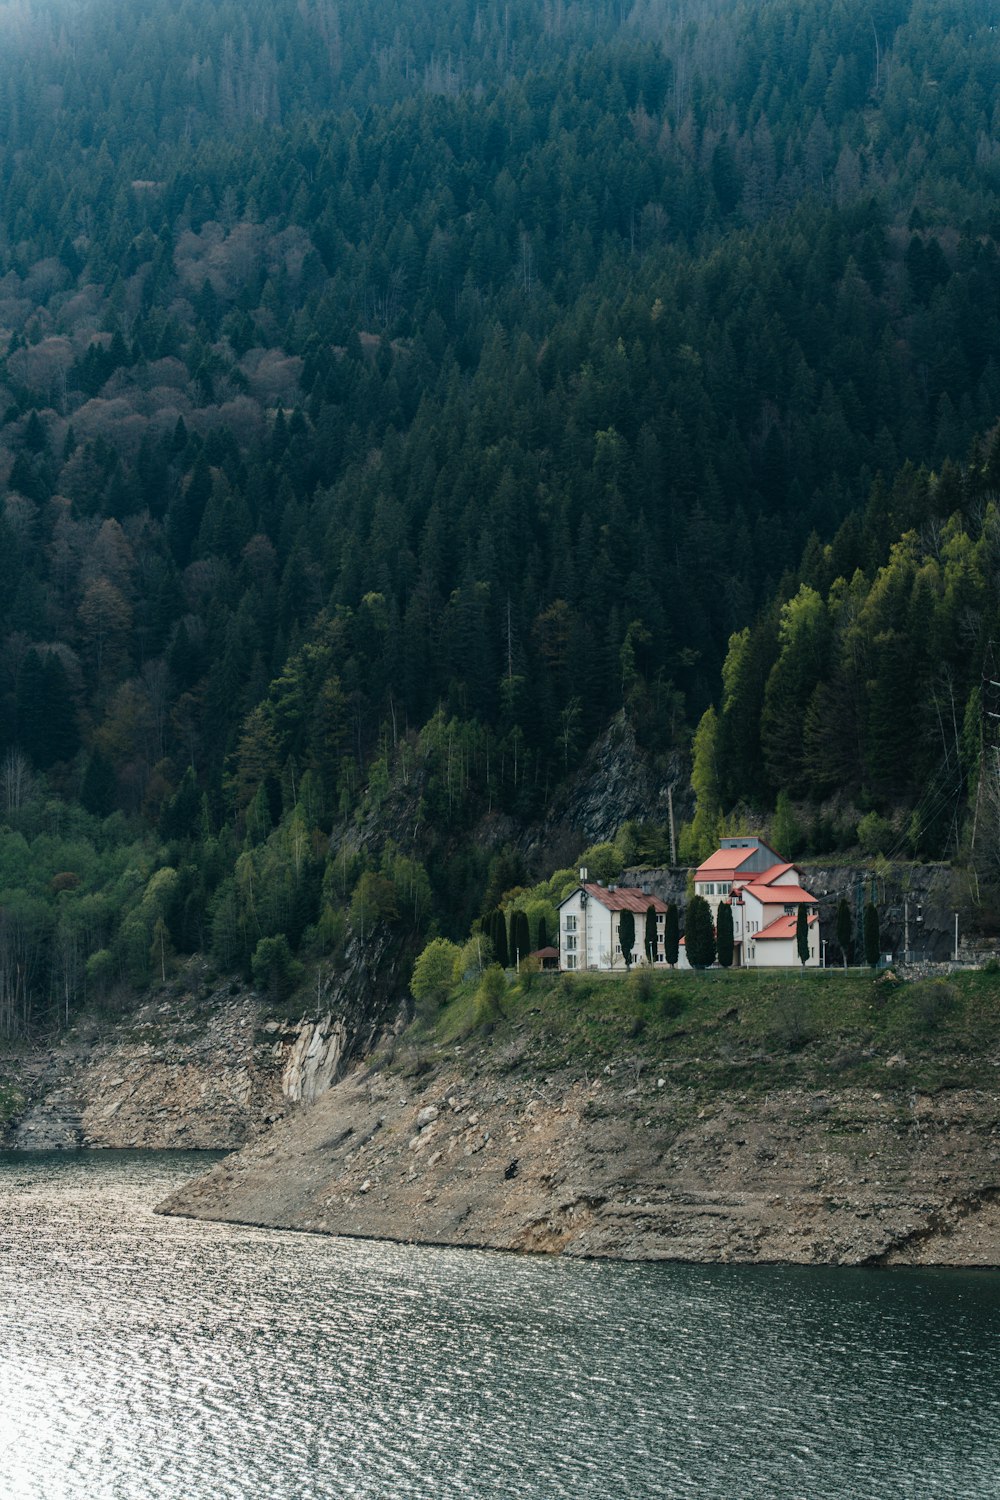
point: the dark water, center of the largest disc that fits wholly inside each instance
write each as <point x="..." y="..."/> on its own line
<point x="143" y="1358"/>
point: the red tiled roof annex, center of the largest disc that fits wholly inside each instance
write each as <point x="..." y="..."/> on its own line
<point x="624" y="898"/>
<point x="782" y="927"/>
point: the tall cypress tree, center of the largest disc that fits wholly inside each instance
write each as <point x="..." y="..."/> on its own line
<point x="699" y="937"/>
<point x="671" y="935"/>
<point x="626" y="936"/>
<point x="651" y="943"/>
<point x="872" y="935"/>
<point x="520" y="937"/>
<point x="498" y="933"/>
<point x="724" y="935"/>
<point x="802" y="933"/>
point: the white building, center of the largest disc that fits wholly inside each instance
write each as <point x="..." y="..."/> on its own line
<point x="589" y="923"/>
<point x="765" y="894"/>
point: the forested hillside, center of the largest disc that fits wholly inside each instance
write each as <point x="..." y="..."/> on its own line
<point x="388" y="390"/>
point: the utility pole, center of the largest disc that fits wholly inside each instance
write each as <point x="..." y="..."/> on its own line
<point x="673" y="838"/>
<point x="989" y="732"/>
<point x="906" y="931"/>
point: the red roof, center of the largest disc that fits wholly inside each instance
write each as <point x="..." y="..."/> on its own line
<point x="781" y="927"/>
<point x="778" y="895"/>
<point x="723" y="861"/>
<point x="624" y="898"/>
<point x="545" y="953"/>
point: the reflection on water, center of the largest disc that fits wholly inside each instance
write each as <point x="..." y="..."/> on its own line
<point x="143" y="1358"/>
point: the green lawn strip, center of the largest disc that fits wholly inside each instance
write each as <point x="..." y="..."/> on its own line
<point x="752" y="1031"/>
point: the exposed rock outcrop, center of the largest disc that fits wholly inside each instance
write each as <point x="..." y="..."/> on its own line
<point x="612" y="1167"/>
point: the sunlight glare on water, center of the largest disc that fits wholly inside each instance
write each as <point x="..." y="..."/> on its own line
<point x="156" y="1359"/>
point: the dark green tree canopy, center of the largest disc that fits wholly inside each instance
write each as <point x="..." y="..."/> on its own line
<point x="699" y="934"/>
<point x="802" y="933"/>
<point x="872" y="935"/>
<point x="724" y="935"/>
<point x="626" y="936"/>
<point x="671" y="935"/>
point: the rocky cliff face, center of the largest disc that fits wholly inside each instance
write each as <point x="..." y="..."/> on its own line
<point x="204" y="1072"/>
<point x="625" y="1168"/>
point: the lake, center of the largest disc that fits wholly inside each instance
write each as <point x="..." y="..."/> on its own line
<point x="143" y="1357"/>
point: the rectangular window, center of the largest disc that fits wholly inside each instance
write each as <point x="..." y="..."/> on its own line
<point x="571" y="943"/>
<point x="570" y="924"/>
<point x="571" y="960"/>
<point x="618" y="947"/>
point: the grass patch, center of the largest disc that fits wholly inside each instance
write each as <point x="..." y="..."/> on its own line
<point x="752" y="1030"/>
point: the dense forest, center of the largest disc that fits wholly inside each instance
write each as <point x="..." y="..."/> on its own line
<point x="392" y="398"/>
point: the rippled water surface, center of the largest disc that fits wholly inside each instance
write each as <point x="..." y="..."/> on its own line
<point x="143" y="1358"/>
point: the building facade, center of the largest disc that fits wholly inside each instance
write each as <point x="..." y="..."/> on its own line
<point x="590" y="925"/>
<point x="765" y="893"/>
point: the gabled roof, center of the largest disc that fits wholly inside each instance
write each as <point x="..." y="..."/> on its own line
<point x="773" y="873"/>
<point x="732" y="855"/>
<point x="721" y="861"/>
<point x="781" y="927"/>
<point x="773" y="895"/>
<point x="619" y="897"/>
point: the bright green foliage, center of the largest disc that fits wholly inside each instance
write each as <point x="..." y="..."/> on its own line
<point x="699" y="936"/>
<point x="786" y="830"/>
<point x="873" y="690"/>
<point x="700" y="837"/>
<point x="875" y="834"/>
<point x="434" y="974"/>
<point x="724" y="935"/>
<point x="803" y="643"/>
<point x="490" y="995"/>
